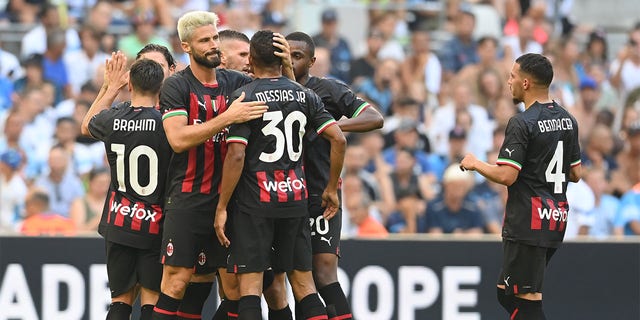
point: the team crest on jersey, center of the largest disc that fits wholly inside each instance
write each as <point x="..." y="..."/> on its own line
<point x="170" y="249"/>
<point x="214" y="106"/>
<point x="202" y="258"/>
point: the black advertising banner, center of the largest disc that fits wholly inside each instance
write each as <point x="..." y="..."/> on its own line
<point x="65" y="278"/>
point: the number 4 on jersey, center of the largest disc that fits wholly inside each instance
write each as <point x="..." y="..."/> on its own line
<point x="554" y="169"/>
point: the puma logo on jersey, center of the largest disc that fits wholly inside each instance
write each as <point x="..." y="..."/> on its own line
<point x="201" y="104"/>
<point x="509" y="151"/>
<point x="506" y="280"/>
<point x="327" y="240"/>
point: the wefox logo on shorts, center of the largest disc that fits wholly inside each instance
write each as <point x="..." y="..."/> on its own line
<point x="557" y="215"/>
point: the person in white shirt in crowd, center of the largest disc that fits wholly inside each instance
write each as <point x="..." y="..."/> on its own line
<point x="13" y="190"/>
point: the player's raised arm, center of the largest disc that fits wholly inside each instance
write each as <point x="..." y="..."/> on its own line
<point x="338" y="147"/>
<point x="116" y="76"/>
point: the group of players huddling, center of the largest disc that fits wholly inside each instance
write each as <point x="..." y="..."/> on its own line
<point x="230" y="169"/>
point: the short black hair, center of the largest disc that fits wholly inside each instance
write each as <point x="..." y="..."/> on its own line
<point x="152" y="47"/>
<point x="146" y="76"/>
<point x="301" y="36"/>
<point x="262" y="49"/>
<point x="484" y="39"/>
<point x="229" y="34"/>
<point x="538" y="66"/>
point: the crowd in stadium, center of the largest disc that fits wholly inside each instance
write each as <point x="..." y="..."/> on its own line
<point x="441" y="98"/>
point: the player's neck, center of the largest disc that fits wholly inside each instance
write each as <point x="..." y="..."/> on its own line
<point x="138" y="100"/>
<point x="540" y="96"/>
<point x="271" y="72"/>
<point x="204" y="74"/>
<point x="304" y="79"/>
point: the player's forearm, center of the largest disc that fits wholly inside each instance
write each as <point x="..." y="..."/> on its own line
<point x="231" y="172"/>
<point x="338" y="148"/>
<point x="494" y="173"/>
<point x="369" y="119"/>
<point x="105" y="99"/>
<point x="183" y="137"/>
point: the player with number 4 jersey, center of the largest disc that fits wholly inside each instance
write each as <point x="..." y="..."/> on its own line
<point x="540" y="155"/>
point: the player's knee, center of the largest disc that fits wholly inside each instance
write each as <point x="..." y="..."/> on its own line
<point x="325" y="269"/>
<point x="301" y="284"/>
<point x="175" y="281"/>
<point x="276" y="293"/>
<point x="126" y="298"/>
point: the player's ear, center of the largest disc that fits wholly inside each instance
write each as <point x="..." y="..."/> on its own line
<point x="185" y="47"/>
<point x="312" y="61"/>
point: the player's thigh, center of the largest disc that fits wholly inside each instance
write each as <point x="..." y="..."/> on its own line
<point x="250" y="249"/>
<point x="121" y="270"/>
<point x="149" y="269"/>
<point x="523" y="267"/>
<point x="325" y="234"/>
<point x="189" y="241"/>
<point x="292" y="245"/>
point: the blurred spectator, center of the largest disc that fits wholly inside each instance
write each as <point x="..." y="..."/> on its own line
<point x="87" y="211"/>
<point x="82" y="64"/>
<point x="628" y="171"/>
<point x="10" y="65"/>
<point x="625" y="70"/>
<point x="505" y="109"/>
<point x="99" y="18"/>
<point x="358" y="205"/>
<point x="33" y="73"/>
<point x="411" y="190"/>
<point x="144" y="27"/>
<point x="598" y="150"/>
<point x="582" y="202"/>
<point x="386" y="23"/>
<point x="234" y="51"/>
<point x="566" y="76"/>
<point x="461" y="49"/>
<point x="321" y="68"/>
<point x="457" y="146"/>
<point x="60" y="183"/>
<point x="609" y="99"/>
<point x="606" y="205"/>
<point x="13" y="190"/>
<point x="487" y="52"/>
<point x="12" y="129"/>
<point x="82" y="157"/>
<point x="585" y="109"/>
<point x="421" y="71"/>
<point x="491" y="198"/>
<point x="491" y="91"/>
<point x="405" y="109"/>
<point x="383" y="86"/>
<point x="406" y="137"/>
<point x="454" y="211"/>
<point x="338" y="46"/>
<point x="364" y="67"/>
<point x="596" y="49"/>
<point x="35" y="41"/>
<point x="628" y="215"/>
<point x="37" y="133"/>
<point x="523" y="42"/>
<point x="444" y="120"/>
<point x="39" y="221"/>
<point x="53" y="65"/>
<point x="273" y="21"/>
<point x="88" y="92"/>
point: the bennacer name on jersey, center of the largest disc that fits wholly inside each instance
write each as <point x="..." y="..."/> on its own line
<point x="134" y="125"/>
<point x="281" y="96"/>
<point x="555" y="125"/>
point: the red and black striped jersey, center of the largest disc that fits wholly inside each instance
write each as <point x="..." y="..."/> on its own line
<point x="541" y="143"/>
<point x="340" y="101"/>
<point x="137" y="150"/>
<point x="194" y="175"/>
<point x="273" y="182"/>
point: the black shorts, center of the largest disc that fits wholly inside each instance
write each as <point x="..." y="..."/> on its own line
<point x="325" y="234"/>
<point x="259" y="243"/>
<point x="127" y="266"/>
<point x="523" y="267"/>
<point x="189" y="240"/>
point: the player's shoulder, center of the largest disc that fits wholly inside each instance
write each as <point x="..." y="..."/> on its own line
<point x="233" y="77"/>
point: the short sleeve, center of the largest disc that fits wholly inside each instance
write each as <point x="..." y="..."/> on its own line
<point x="514" y="148"/>
<point x="239" y="133"/>
<point x="575" y="150"/>
<point x="320" y="118"/>
<point x="172" y="98"/>
<point x="99" y="125"/>
<point x="351" y="104"/>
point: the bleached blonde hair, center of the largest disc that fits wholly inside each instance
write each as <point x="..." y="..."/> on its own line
<point x="193" y="20"/>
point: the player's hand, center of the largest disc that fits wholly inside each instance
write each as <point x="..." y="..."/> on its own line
<point x="219" y="223"/>
<point x="330" y="202"/>
<point x="468" y="163"/>
<point x="280" y="42"/>
<point x="242" y="111"/>
<point x="116" y="73"/>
